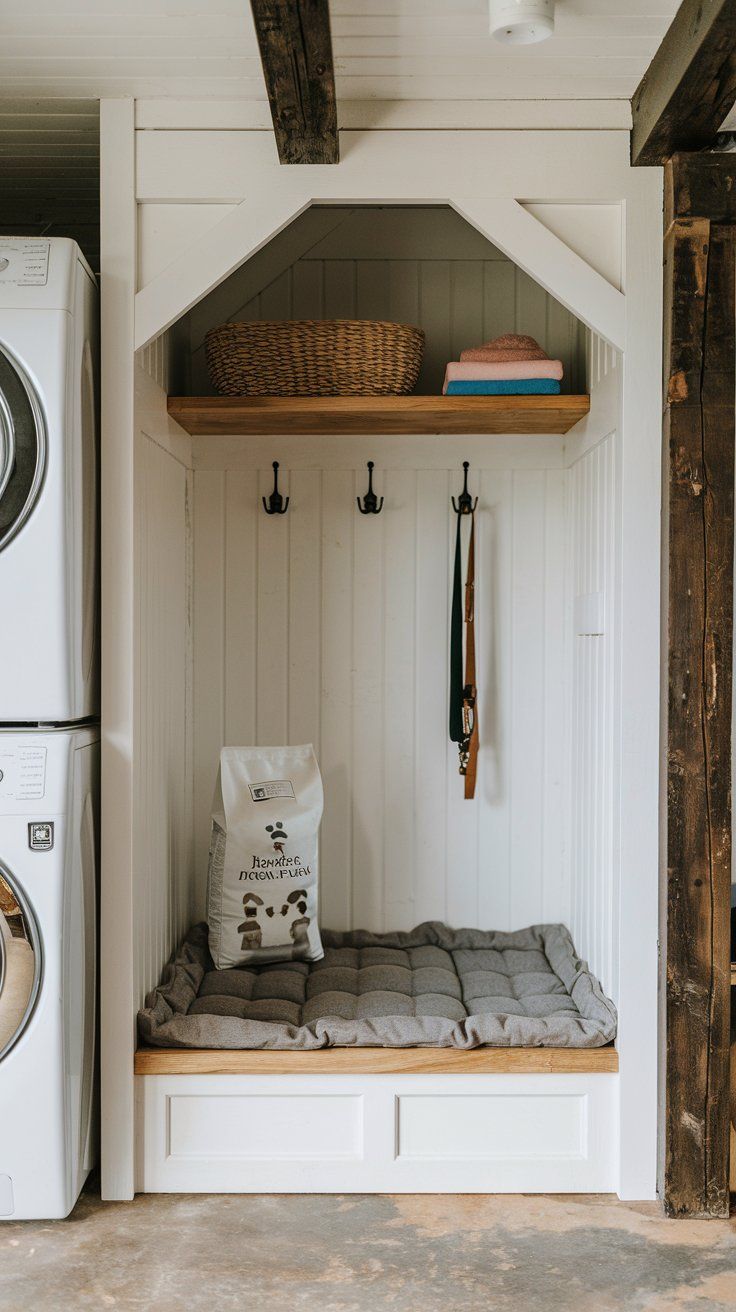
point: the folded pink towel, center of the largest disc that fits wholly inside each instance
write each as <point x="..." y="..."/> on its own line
<point x="509" y="346"/>
<point x="475" y="371"/>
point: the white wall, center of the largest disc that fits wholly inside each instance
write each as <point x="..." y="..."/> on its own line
<point x="331" y="627"/>
<point x="328" y="626"/>
<point x="593" y="511"/>
<point x="162" y="828"/>
<point x="593" y="800"/>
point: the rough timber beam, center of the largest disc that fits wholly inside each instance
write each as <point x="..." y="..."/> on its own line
<point x="296" y="53"/>
<point x="699" y="435"/>
<point x="690" y="85"/>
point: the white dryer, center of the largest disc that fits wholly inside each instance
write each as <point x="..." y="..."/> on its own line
<point x="48" y="813"/>
<point x="48" y="482"/>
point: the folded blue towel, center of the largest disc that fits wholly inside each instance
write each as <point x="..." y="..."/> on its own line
<point x="505" y="387"/>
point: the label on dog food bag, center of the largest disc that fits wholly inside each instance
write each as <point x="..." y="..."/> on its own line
<point x="265" y="792"/>
<point x="262" y="873"/>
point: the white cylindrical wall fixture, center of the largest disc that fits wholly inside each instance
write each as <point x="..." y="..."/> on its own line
<point x="522" y="22"/>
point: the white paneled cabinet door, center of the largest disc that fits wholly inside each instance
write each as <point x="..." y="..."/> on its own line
<point x="379" y="1133"/>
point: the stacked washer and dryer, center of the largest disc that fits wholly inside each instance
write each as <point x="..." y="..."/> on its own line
<point x="49" y="736"/>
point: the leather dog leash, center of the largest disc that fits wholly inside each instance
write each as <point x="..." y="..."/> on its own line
<point x="463" y="691"/>
<point x="469" y="746"/>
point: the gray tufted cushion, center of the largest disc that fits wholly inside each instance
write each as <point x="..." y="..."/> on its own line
<point x="431" y="986"/>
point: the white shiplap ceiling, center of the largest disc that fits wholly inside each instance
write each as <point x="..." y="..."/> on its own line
<point x="420" y="50"/>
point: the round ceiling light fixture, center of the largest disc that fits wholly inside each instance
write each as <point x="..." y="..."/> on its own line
<point x="522" y="22"/>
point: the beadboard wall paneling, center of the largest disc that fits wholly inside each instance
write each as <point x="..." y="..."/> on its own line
<point x="601" y="359"/>
<point x="418" y="265"/>
<point x="162" y="742"/>
<point x="163" y="360"/>
<point x="593" y="801"/>
<point x="327" y="626"/>
<point x="155" y="360"/>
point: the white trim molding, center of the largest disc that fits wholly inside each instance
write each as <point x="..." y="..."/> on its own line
<point x="427" y="168"/>
<point x="395" y="115"/>
<point x="117" y="264"/>
<point x="551" y="263"/>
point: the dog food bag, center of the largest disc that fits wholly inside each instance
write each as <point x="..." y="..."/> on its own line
<point x="262" y="875"/>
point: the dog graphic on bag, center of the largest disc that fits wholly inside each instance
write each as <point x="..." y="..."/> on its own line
<point x="251" y="931"/>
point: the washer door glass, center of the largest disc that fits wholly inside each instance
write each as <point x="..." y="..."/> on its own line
<point x="20" y="962"/>
<point x="22" y="448"/>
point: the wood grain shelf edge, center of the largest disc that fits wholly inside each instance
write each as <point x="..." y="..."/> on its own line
<point x="210" y="416"/>
<point x="377" y="1061"/>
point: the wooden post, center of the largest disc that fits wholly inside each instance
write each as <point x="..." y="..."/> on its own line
<point x="699" y="430"/>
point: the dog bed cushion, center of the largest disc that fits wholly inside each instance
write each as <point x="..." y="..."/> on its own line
<point x="429" y="987"/>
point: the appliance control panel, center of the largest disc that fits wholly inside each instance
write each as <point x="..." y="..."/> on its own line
<point x="24" y="261"/>
<point x="22" y="773"/>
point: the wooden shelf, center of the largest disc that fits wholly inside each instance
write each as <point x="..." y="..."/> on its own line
<point x="377" y="1061"/>
<point x="261" y="415"/>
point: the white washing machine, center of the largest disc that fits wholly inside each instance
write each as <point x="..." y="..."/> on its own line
<point x="48" y="814"/>
<point x="48" y="482"/>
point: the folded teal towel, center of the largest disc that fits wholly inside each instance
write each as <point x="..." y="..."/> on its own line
<point x="504" y="387"/>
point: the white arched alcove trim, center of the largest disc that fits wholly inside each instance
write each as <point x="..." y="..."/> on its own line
<point x="526" y="241"/>
<point x="396" y="168"/>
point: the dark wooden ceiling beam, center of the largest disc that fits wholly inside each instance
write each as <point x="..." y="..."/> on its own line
<point x="690" y="85"/>
<point x="296" y="53"/>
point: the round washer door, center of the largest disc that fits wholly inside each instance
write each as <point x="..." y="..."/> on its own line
<point x="22" y="447"/>
<point x="20" y="961"/>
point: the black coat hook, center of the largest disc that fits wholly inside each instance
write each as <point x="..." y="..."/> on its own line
<point x="276" y="505"/>
<point x="465" y="505"/>
<point x="371" y="505"/>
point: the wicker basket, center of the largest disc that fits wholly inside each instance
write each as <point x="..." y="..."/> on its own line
<point x="313" y="357"/>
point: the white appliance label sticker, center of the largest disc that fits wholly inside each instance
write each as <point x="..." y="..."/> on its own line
<point x="23" y="773"/>
<point x="24" y="261"/>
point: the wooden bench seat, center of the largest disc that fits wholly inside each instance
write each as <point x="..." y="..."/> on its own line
<point x="377" y="1061"/>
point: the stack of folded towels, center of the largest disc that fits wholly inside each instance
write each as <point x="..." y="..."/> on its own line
<point x="511" y="365"/>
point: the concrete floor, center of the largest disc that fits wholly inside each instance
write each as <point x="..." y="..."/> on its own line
<point x="365" y="1253"/>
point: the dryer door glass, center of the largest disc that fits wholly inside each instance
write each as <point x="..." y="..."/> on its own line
<point x="20" y="962"/>
<point x="22" y="448"/>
